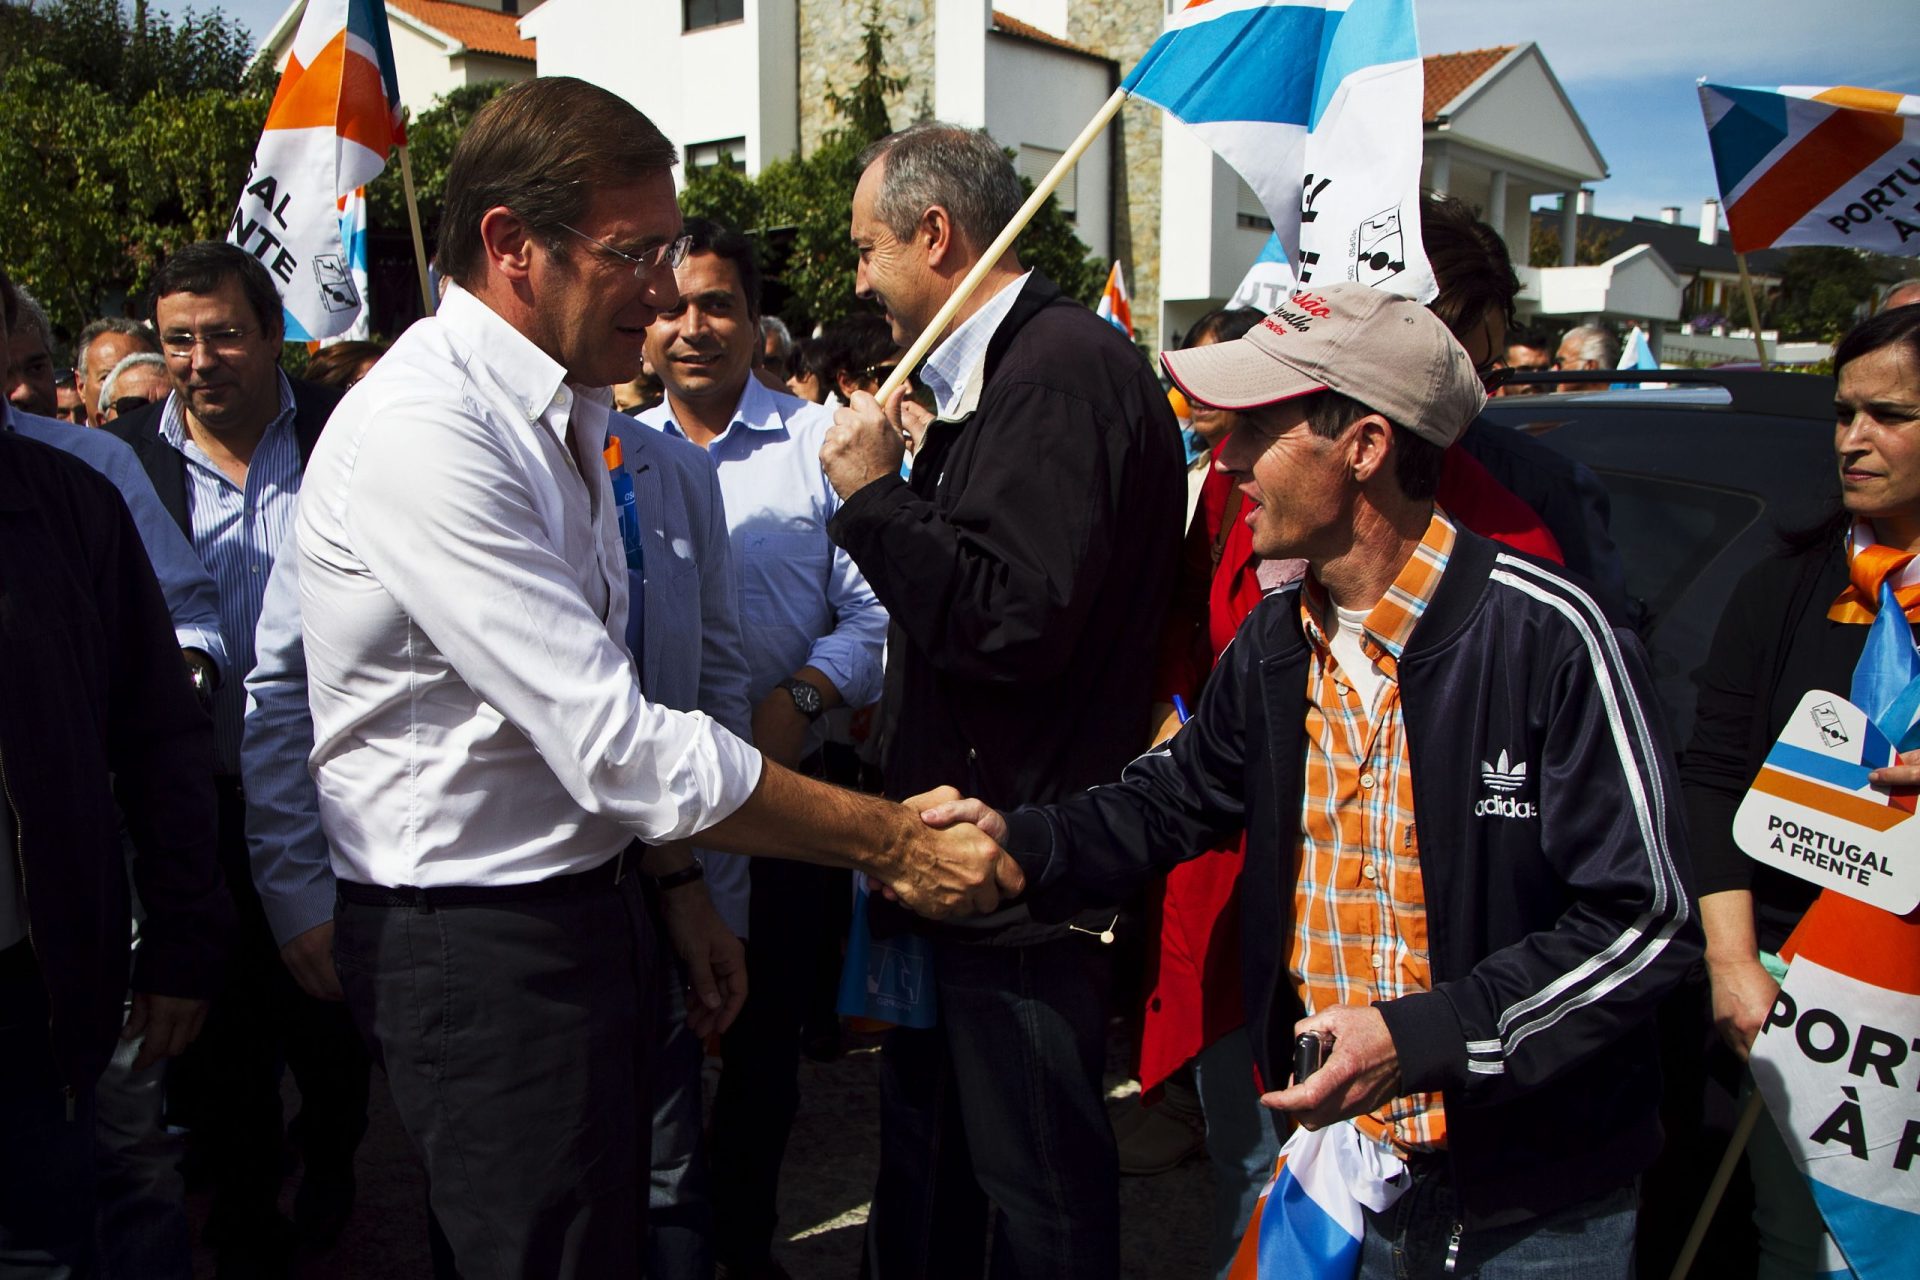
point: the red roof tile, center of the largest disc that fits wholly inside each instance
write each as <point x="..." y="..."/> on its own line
<point x="1027" y="31"/>
<point x="482" y="30"/>
<point x="1448" y="74"/>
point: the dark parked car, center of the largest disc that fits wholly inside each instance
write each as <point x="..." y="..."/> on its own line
<point x="1703" y="474"/>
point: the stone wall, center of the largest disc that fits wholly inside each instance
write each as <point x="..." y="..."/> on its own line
<point x="830" y="33"/>
<point x="1122" y="30"/>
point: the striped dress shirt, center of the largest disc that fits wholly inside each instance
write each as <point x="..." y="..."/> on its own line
<point x="236" y="532"/>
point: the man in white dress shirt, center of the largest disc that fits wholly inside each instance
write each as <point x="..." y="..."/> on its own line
<point x="486" y="759"/>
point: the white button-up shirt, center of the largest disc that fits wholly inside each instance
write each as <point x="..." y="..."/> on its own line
<point x="463" y="593"/>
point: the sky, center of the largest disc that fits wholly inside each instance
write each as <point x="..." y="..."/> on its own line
<point x="1630" y="67"/>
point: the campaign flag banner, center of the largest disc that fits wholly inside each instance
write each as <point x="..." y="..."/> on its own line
<point x="1838" y="1063"/>
<point x="353" y="234"/>
<point x="1115" y="307"/>
<point x="332" y="122"/>
<point x="1801" y="164"/>
<point x="1307" y="1223"/>
<point x="1268" y="282"/>
<point x="1811" y="812"/>
<point x="1317" y="105"/>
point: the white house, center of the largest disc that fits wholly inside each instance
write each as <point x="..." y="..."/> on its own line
<point x="741" y="78"/>
<point x="438" y="45"/>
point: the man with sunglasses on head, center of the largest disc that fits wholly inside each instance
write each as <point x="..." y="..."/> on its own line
<point x="226" y="451"/>
<point x="493" y="780"/>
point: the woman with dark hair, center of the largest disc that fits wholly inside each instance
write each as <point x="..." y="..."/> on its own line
<point x="1798" y="622"/>
<point x="341" y="364"/>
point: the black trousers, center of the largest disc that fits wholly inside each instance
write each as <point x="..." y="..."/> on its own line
<point x="514" y="1033"/>
<point x="996" y="1115"/>
<point x="796" y="914"/>
<point x="227" y="1085"/>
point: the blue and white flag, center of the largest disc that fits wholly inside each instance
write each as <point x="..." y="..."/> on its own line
<point x="1317" y="104"/>
<point x="1308" y="1222"/>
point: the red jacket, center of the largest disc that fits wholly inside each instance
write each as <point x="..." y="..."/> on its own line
<point x="1194" y="993"/>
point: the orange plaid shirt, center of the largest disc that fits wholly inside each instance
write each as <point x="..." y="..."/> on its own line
<point x="1359" y="908"/>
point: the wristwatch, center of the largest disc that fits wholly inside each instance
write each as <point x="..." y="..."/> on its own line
<point x="806" y="698"/>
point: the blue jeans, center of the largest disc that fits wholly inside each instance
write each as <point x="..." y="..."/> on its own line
<point x="1000" y="1104"/>
<point x="679" y="1205"/>
<point x="1592" y="1240"/>
<point x="1241" y="1143"/>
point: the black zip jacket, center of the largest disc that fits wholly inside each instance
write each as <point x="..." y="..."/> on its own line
<point x="94" y="685"/>
<point x="1774" y="643"/>
<point x="1026" y="569"/>
<point x="1558" y="913"/>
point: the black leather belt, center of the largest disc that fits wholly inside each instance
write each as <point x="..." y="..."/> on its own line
<point x="592" y="880"/>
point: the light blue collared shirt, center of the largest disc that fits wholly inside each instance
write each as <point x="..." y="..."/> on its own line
<point x="803" y="602"/>
<point x="237" y="533"/>
<point x="957" y="359"/>
<point x="192" y="602"/>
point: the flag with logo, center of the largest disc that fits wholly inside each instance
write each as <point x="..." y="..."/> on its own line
<point x="1268" y="281"/>
<point x="1308" y="1222"/>
<point x="353" y="235"/>
<point x="1837" y="1064"/>
<point x="1317" y="104"/>
<point x="1801" y="164"/>
<point x="332" y="122"/>
<point x="1114" y="306"/>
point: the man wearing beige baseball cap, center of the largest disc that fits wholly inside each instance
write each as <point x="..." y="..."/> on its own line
<point x="1463" y="884"/>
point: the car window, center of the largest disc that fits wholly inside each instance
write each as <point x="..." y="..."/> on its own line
<point x="1668" y="531"/>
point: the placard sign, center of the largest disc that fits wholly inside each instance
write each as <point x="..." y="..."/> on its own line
<point x="1812" y="813"/>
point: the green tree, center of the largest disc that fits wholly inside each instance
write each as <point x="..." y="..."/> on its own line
<point x="1589" y="246"/>
<point x="1821" y="290"/>
<point x="431" y="138"/>
<point x="127" y="135"/>
<point x="798" y="207"/>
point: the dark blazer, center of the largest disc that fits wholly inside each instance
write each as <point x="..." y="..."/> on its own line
<point x="99" y="722"/>
<point x="312" y="405"/>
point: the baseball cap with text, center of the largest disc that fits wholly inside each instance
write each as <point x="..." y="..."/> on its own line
<point x="1388" y="352"/>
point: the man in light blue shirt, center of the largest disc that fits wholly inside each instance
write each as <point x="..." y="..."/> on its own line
<point x="814" y="635"/>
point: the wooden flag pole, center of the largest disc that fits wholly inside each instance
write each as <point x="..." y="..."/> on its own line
<point x="419" y="241"/>
<point x="995" y="251"/>
<point x="1742" y="1130"/>
<point x="1753" y="308"/>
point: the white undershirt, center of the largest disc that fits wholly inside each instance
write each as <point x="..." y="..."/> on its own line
<point x="1354" y="663"/>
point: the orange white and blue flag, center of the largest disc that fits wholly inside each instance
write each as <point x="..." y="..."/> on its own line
<point x="334" y="118"/>
<point x="1309" y="1220"/>
<point x="1318" y="105"/>
<point x="1838" y="1066"/>
<point x="1803" y="164"/>
<point x="1114" y="306"/>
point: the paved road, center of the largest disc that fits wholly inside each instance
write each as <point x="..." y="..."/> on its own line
<point x="829" y="1176"/>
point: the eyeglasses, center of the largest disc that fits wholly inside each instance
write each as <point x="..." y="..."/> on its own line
<point x="222" y="342"/>
<point x="1494" y="376"/>
<point x="669" y="254"/>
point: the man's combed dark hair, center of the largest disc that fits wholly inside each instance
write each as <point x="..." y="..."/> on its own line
<point x="541" y="149"/>
<point x="205" y="266"/>
<point x="1470" y="264"/>
<point x="1416" y="461"/>
<point x="962" y="170"/>
<point x="722" y="241"/>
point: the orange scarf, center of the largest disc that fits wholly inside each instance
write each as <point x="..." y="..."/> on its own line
<point x="1868" y="566"/>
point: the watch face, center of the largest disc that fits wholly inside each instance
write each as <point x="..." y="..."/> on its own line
<point x="805" y="697"/>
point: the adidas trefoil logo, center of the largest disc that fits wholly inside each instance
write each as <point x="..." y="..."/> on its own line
<point x="1502" y="775"/>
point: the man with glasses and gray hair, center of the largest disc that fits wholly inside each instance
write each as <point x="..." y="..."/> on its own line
<point x="1587" y="346"/>
<point x="226" y="450"/>
<point x="1026" y="566"/>
<point x="493" y="781"/>
<point x="136" y="382"/>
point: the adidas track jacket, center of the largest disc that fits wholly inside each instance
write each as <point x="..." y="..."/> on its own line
<point x="1558" y="902"/>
